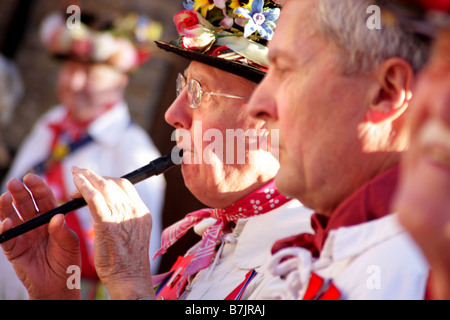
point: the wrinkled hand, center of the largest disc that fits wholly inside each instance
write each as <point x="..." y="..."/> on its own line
<point x="40" y="257"/>
<point x="122" y="226"/>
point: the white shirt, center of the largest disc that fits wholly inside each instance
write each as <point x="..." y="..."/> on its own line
<point x="248" y="247"/>
<point x="373" y="260"/>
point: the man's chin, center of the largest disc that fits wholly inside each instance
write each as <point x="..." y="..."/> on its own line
<point x="284" y="183"/>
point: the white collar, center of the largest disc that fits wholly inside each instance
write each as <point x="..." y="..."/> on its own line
<point x="108" y="128"/>
<point x="258" y="234"/>
<point x="349" y="241"/>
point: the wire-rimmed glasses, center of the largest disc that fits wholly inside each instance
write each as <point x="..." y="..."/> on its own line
<point x="195" y="91"/>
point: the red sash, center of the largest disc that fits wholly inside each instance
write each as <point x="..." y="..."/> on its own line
<point x="171" y="288"/>
<point x="54" y="177"/>
<point x="319" y="289"/>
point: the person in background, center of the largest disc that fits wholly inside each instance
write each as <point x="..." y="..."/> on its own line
<point x="92" y="127"/>
<point x="423" y="201"/>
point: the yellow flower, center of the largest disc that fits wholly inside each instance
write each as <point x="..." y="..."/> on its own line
<point x="60" y="151"/>
<point x="205" y="6"/>
<point x="246" y="4"/>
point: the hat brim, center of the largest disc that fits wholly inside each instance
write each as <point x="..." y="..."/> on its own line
<point x="240" y="69"/>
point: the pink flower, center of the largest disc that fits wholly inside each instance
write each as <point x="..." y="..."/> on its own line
<point x="185" y="19"/>
<point x="50" y="26"/>
<point x="198" y="38"/>
<point x="221" y="4"/>
<point x="126" y="57"/>
<point x="61" y="41"/>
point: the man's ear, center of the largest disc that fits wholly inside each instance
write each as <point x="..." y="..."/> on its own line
<point x="392" y="93"/>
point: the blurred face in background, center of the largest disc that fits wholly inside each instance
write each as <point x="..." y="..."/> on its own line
<point x="423" y="201"/>
<point x="87" y="89"/>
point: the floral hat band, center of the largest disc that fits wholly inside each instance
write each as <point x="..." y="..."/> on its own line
<point x="124" y="42"/>
<point x="424" y="17"/>
<point x="231" y="35"/>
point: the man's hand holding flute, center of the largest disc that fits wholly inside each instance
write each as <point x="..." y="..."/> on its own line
<point x="42" y="256"/>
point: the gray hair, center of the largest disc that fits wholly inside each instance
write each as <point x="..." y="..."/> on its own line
<point x="345" y="22"/>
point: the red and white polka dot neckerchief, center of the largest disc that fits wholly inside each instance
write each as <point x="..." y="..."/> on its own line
<point x="261" y="201"/>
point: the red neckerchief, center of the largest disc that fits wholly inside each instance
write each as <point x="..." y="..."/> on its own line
<point x="372" y="201"/>
<point x="262" y="200"/>
<point x="74" y="129"/>
<point x="67" y="126"/>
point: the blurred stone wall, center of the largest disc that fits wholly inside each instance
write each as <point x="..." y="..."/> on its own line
<point x="150" y="93"/>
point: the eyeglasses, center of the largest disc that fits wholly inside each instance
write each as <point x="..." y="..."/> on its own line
<point x="195" y="91"/>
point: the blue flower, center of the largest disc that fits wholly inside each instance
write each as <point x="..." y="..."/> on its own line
<point x="259" y="19"/>
<point x="189" y="4"/>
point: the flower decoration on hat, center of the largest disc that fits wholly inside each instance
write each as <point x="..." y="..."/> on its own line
<point x="124" y="42"/>
<point x="231" y="29"/>
<point x="260" y="19"/>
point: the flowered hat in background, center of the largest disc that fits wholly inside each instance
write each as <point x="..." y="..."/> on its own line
<point x="124" y="42"/>
<point x="423" y="17"/>
<point x="230" y="35"/>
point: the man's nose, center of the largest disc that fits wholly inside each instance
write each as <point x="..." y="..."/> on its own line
<point x="444" y="102"/>
<point x="179" y="114"/>
<point x="78" y="81"/>
<point x="262" y="104"/>
<point x="437" y="89"/>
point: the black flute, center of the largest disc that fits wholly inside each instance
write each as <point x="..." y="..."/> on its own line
<point x="155" y="167"/>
